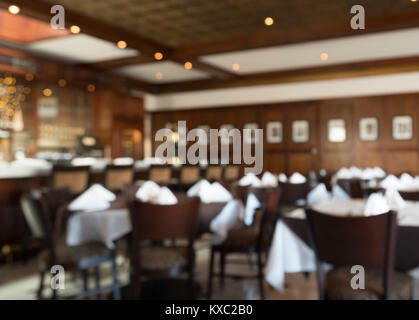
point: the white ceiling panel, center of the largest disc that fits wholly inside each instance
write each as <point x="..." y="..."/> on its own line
<point x="169" y="72"/>
<point x="81" y="48"/>
<point x="394" y="44"/>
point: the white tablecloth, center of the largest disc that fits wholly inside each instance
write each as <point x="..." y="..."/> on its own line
<point x="104" y="226"/>
<point x="289" y="253"/>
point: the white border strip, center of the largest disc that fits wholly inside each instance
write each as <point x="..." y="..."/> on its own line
<point x="301" y="91"/>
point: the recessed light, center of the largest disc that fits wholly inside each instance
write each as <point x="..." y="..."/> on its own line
<point x="47" y="92"/>
<point x="121" y="44"/>
<point x="29" y="77"/>
<point x="91" y="88"/>
<point x="236" y="67"/>
<point x="158" y="56"/>
<point x="62" y="83"/>
<point x="413" y="0"/>
<point x="13" y="9"/>
<point x="269" y="21"/>
<point x="159" y="75"/>
<point x="188" y="65"/>
<point x="324" y="56"/>
<point x="75" y="29"/>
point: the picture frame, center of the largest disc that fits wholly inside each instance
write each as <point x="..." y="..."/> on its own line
<point x="336" y="130"/>
<point x="368" y="129"/>
<point x="252" y="139"/>
<point x="274" y="132"/>
<point x="224" y="140"/>
<point x="300" y="131"/>
<point x="402" y="127"/>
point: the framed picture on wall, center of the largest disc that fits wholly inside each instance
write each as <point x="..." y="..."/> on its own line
<point x="336" y="130"/>
<point x="368" y="129"/>
<point x="204" y="139"/>
<point x="274" y="132"/>
<point x="402" y="128"/>
<point x="300" y="131"/>
<point x="250" y="139"/>
<point x="228" y="140"/>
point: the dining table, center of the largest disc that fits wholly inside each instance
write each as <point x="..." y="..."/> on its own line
<point x="291" y="249"/>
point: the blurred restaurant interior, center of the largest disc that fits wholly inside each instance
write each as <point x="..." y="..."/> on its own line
<point x="89" y="211"/>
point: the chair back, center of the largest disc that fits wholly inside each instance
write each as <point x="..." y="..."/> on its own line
<point x="214" y="173"/>
<point x="190" y="175"/>
<point x="240" y="192"/>
<point x="292" y="192"/>
<point x="231" y="173"/>
<point x="160" y="174"/>
<point x="160" y="222"/>
<point x="269" y="215"/>
<point x="410" y="195"/>
<point x="117" y="176"/>
<point x="353" y="187"/>
<point x="74" y="178"/>
<point x="348" y="241"/>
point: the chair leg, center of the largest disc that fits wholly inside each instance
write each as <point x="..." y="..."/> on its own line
<point x="222" y="269"/>
<point x="210" y="275"/>
<point x="41" y="285"/>
<point x="260" y="276"/>
<point x="116" y="288"/>
<point x="85" y="276"/>
<point x="97" y="281"/>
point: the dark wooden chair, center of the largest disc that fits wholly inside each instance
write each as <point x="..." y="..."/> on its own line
<point x="152" y="256"/>
<point x="116" y="177"/>
<point x="353" y="187"/>
<point x="366" y="241"/>
<point x="160" y="174"/>
<point x="246" y="240"/>
<point x="231" y="173"/>
<point x="410" y="195"/>
<point x="214" y="172"/>
<point x="74" y="178"/>
<point x="37" y="208"/>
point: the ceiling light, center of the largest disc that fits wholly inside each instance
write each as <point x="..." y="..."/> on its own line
<point x="47" y="92"/>
<point x="236" y="67"/>
<point x="75" y="29"/>
<point x="188" y="65"/>
<point x="324" y="56"/>
<point x="62" y="83"/>
<point x="91" y="88"/>
<point x="413" y="0"/>
<point x="121" y="44"/>
<point x="14" y="9"/>
<point x="158" y="56"/>
<point x="159" y="75"/>
<point x="269" y="21"/>
<point x="29" y="77"/>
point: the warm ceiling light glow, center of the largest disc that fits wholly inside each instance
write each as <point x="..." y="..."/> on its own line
<point x="159" y="75"/>
<point x="75" y="29"/>
<point x="236" y="67"/>
<point x="269" y="21"/>
<point x="62" y="83"/>
<point x="29" y="77"/>
<point x="413" y="0"/>
<point x="14" y="9"/>
<point x="188" y="65"/>
<point x="121" y="44"/>
<point x="91" y="88"/>
<point x="324" y="56"/>
<point x="47" y="92"/>
<point x="158" y="56"/>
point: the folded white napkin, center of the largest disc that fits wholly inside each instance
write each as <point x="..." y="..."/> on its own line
<point x="406" y="181"/>
<point x="125" y="161"/>
<point x="390" y="182"/>
<point x="344" y="173"/>
<point x="227" y="219"/>
<point x="195" y="190"/>
<point x="356" y="172"/>
<point x="318" y="195"/>
<point x="250" y="179"/>
<point x="376" y="204"/>
<point x="378" y="172"/>
<point x="339" y="193"/>
<point x="297" y="178"/>
<point x="252" y="204"/>
<point x="395" y="200"/>
<point x="269" y="180"/>
<point x="95" y="198"/>
<point x="368" y="174"/>
<point x="215" y="193"/>
<point x="153" y="193"/>
<point x="282" y="178"/>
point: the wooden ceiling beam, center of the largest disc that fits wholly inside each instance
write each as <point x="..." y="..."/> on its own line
<point x="349" y="70"/>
